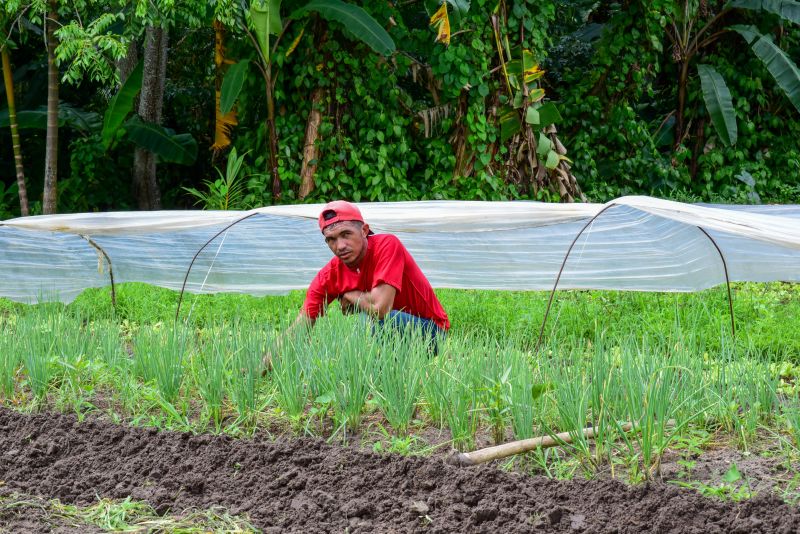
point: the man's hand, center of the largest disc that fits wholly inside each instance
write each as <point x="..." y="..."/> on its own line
<point x="377" y="302"/>
<point x="349" y="301"/>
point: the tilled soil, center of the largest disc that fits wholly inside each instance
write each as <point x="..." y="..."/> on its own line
<point x="306" y="485"/>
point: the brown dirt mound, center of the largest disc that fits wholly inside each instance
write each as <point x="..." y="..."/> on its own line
<point x="305" y="485"/>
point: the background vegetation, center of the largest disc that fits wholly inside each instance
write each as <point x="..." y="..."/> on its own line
<point x="484" y="104"/>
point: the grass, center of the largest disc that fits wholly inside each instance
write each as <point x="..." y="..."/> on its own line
<point x="664" y="362"/>
<point x="122" y="515"/>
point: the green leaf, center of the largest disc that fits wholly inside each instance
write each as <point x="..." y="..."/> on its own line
<point x="750" y="33"/>
<point x="785" y="9"/>
<point x="265" y="16"/>
<point x="532" y="116"/>
<point x="460" y="6"/>
<point x="552" y="160"/>
<point x="34" y="119"/>
<point x="719" y="103"/>
<point x="548" y="114"/>
<point x="458" y="10"/>
<point x="778" y="64"/>
<point x="355" y="20"/>
<point x="169" y="147"/>
<point x="121" y="105"/>
<point x="510" y="124"/>
<point x="732" y="475"/>
<point x="232" y="86"/>
<point x="544" y="145"/>
<point x="75" y="118"/>
<point x="518" y="97"/>
<point x="540" y="389"/>
<point x="84" y="121"/>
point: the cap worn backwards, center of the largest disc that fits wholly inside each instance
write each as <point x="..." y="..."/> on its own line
<point x="337" y="211"/>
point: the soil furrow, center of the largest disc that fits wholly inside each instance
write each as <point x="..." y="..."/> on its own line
<point x="306" y="485"/>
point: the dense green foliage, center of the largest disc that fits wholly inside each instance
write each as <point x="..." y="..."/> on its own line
<point x="423" y="121"/>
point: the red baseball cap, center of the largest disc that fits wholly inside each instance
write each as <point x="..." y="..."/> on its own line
<point x="337" y="211"/>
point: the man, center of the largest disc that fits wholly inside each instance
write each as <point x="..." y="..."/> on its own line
<point x="372" y="274"/>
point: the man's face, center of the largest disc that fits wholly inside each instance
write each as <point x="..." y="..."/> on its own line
<point x="347" y="241"/>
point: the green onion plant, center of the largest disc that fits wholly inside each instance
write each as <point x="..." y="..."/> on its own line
<point x="455" y="386"/>
<point x="245" y="368"/>
<point x="658" y="386"/>
<point x="287" y="372"/>
<point x="208" y="370"/>
<point x="524" y="392"/>
<point x="572" y="393"/>
<point x="37" y="334"/>
<point x="9" y="358"/>
<point x="353" y="367"/>
<point x="402" y="359"/>
<point x="159" y="357"/>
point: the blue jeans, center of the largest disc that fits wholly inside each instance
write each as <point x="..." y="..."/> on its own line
<point x="403" y="321"/>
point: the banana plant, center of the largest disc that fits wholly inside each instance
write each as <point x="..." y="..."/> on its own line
<point x="167" y="145"/>
<point x="526" y="122"/>
<point x="261" y="19"/>
<point x="688" y="43"/>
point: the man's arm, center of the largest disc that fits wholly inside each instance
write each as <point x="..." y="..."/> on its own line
<point x="376" y="302"/>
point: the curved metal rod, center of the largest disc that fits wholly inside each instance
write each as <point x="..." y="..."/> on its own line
<point x="569" y="250"/>
<point x="185" y="278"/>
<point x="561" y="270"/>
<point x="110" y="269"/>
<point x="727" y="280"/>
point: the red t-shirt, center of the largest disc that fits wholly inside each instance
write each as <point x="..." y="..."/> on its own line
<point x="387" y="262"/>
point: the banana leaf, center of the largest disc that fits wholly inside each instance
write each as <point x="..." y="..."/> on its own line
<point x="168" y="146"/>
<point x="719" y="103"/>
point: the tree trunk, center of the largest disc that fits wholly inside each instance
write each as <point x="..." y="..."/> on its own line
<point x="683" y="81"/>
<point x="272" y="138"/>
<point x="310" y="148"/>
<point x="12" y="120"/>
<point x="151" y="101"/>
<point x="126" y="64"/>
<point x="50" y="196"/>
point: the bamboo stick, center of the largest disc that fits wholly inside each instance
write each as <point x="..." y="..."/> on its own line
<point x="518" y="447"/>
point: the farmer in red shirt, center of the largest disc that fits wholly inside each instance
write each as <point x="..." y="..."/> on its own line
<point x="371" y="273"/>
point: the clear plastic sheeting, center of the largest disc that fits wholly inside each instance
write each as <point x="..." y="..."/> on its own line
<point x="636" y="243"/>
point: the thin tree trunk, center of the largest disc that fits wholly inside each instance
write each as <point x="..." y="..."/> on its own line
<point x="151" y="101"/>
<point x="272" y="138"/>
<point x="12" y="120"/>
<point x="698" y="147"/>
<point x="310" y="147"/>
<point x="50" y="196"/>
<point x="683" y="81"/>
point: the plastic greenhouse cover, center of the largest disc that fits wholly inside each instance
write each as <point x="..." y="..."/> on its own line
<point x="636" y="243"/>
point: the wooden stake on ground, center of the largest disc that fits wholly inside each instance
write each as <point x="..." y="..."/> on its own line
<point x="518" y="447"/>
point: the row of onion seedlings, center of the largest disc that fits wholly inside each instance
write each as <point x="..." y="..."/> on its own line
<point x="472" y="385"/>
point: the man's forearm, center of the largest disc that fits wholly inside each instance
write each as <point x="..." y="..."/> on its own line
<point x="364" y="301"/>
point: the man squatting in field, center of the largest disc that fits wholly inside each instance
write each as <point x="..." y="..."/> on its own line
<point x="372" y="274"/>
